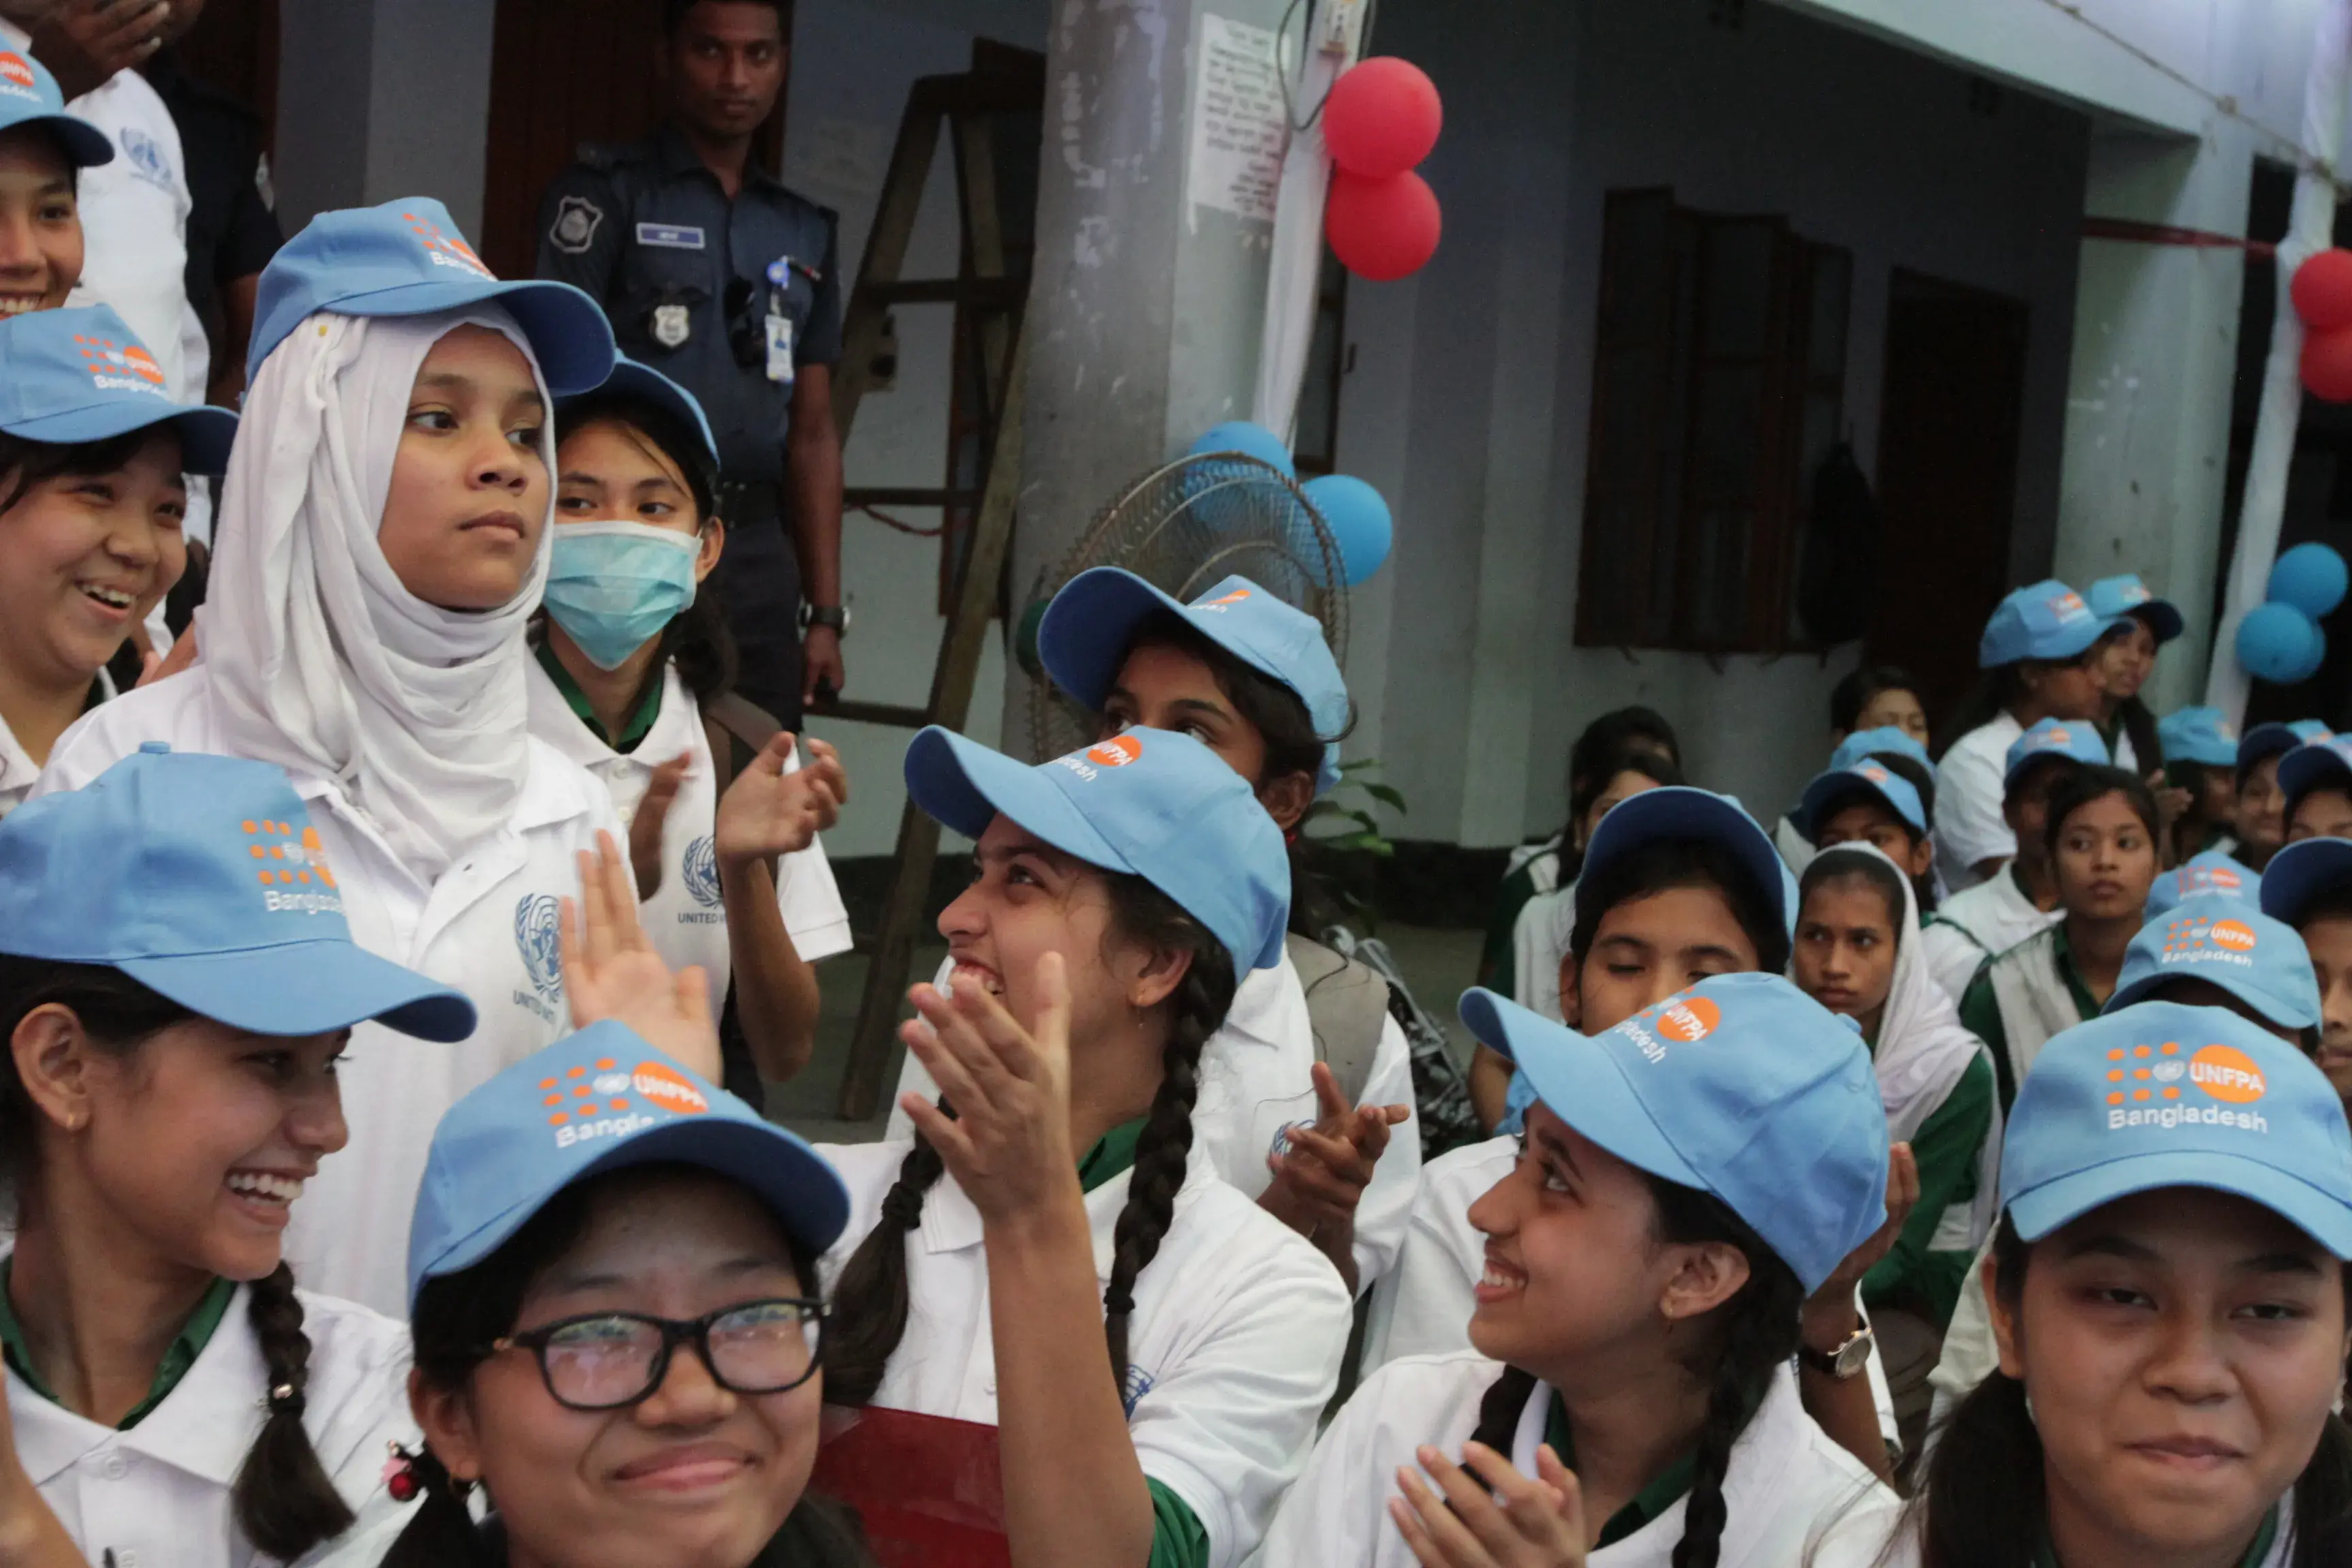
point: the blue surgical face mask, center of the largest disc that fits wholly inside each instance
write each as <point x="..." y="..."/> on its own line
<point x="613" y="585"/>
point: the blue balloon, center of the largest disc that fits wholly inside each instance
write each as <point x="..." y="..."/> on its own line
<point x="2311" y="577"/>
<point x="2280" y="643"/>
<point x="1251" y="441"/>
<point x="1359" y="521"/>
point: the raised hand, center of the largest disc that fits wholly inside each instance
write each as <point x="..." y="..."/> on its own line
<point x="1008" y="1145"/>
<point x="767" y="811"/>
<point x="1322" y="1175"/>
<point x="645" y="823"/>
<point x="1495" y="1519"/>
<point x="86" y="42"/>
<point x="611" y="970"/>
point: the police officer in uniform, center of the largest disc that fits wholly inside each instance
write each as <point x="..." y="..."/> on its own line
<point x="719" y="277"/>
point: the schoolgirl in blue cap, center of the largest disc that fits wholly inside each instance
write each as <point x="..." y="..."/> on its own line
<point x="1870" y="801"/>
<point x="618" y="1334"/>
<point x="178" y="985"/>
<point x="2316" y="778"/>
<point x="92" y="503"/>
<point x="2201" y="759"/>
<point x="1688" y="1178"/>
<point x="2127" y="659"/>
<point x="385" y="541"/>
<point x="43" y="150"/>
<point x="2102" y="835"/>
<point x="2309" y="887"/>
<point x="2261" y="816"/>
<point x="2040" y="655"/>
<point x="1054" y="1203"/>
<point x="632" y="679"/>
<point x="2169" y="1292"/>
<point x="1306" y="1099"/>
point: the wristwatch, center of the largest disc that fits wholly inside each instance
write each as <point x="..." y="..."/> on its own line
<point x="1846" y="1361"/>
<point x="835" y="617"/>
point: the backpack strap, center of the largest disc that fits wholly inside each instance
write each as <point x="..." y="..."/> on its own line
<point x="730" y="720"/>
<point x="1346" y="1007"/>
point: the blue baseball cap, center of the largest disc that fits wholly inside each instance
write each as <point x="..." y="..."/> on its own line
<point x="630" y="379"/>
<point x="1865" y="745"/>
<point x="29" y="95"/>
<point x="2300" y="872"/>
<point x="1742" y="1086"/>
<point x="77" y="376"/>
<point x="2315" y="764"/>
<point x="2162" y="1095"/>
<point x="1088" y="628"/>
<point x="2125" y="594"/>
<point x="2203" y="735"/>
<point x="601" y="1100"/>
<point x="1159" y="805"/>
<point x="2044" y="620"/>
<point x="2076" y="740"/>
<point x="2224" y="939"/>
<point x="2210" y="872"/>
<point x="1839" y="785"/>
<point x="2276" y="740"/>
<point x="406" y="258"/>
<point x="1684" y="811"/>
<point x="202" y="878"/>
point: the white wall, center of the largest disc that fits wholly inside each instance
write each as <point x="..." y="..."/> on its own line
<point x="1475" y="689"/>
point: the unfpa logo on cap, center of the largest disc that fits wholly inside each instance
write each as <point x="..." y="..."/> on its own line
<point x="608" y="1102"/>
<point x="2144" y="1082"/>
<point x="1115" y="753"/>
<point x="2068" y="604"/>
<point x="2212" y="880"/>
<point x="2226" y="1074"/>
<point x="289" y="863"/>
<point x="445" y="249"/>
<point x="16" y="77"/>
<point x="2203" y="940"/>
<point x="1690" y="1020"/>
<point x="115" y="368"/>
<point x="1235" y="597"/>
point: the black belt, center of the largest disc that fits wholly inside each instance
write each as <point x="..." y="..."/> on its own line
<point x="747" y="502"/>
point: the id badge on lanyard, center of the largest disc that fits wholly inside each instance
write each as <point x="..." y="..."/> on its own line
<point x="780" y="324"/>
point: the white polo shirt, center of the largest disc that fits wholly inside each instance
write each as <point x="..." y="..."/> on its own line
<point x="686" y="920"/>
<point x="487" y="927"/>
<point x="158" y="1494"/>
<point x="1970" y="927"/>
<point x="1235" y="1342"/>
<point x="17" y="771"/>
<point x="1969" y="783"/>
<point x="1789" y="1491"/>
<point x="1256" y="1083"/>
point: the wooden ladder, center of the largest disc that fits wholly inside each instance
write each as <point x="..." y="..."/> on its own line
<point x="967" y="105"/>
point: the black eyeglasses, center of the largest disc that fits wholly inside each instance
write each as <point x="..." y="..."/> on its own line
<point x="603" y="1360"/>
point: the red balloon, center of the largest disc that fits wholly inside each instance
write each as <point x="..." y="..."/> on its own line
<point x="1382" y="229"/>
<point x="1381" y="118"/>
<point x="2322" y="291"/>
<point x="2327" y="365"/>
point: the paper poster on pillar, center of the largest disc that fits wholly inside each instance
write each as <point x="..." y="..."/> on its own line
<point x="1240" y="123"/>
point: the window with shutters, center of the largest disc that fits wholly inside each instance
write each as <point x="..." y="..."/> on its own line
<point x="1719" y="384"/>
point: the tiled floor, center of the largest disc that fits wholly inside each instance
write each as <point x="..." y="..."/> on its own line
<point x="1437" y="964"/>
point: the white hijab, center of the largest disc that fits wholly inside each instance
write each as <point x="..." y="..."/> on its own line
<point x="320" y="659"/>
<point x="1923" y="1048"/>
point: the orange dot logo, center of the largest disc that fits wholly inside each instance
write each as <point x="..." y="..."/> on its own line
<point x="1116" y="752"/>
<point x="2219" y="877"/>
<point x="2228" y="1074"/>
<point x="143" y="364"/>
<point x="2237" y="936"/>
<point x="15" y="68"/>
<point x="1690" y="1020"/>
<point x="670" y="1088"/>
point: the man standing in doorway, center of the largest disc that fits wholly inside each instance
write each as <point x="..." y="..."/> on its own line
<point x="715" y="275"/>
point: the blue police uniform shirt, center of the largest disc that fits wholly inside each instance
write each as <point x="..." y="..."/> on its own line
<point x="647" y="231"/>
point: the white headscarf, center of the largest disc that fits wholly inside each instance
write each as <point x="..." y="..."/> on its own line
<point x="319" y="658"/>
<point x="1922" y="1051"/>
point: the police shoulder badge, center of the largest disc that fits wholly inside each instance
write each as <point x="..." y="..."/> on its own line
<point x="576" y="221"/>
<point x="670" y="325"/>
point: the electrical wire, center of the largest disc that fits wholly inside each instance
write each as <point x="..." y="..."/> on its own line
<point x="887" y="520"/>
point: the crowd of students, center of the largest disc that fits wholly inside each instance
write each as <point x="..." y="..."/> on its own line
<point x="1956" y="1172"/>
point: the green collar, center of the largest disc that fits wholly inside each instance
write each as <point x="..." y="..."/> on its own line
<point x="178" y="1356"/>
<point x="640" y="723"/>
<point x="1651" y="1502"/>
<point x="1113" y="1151"/>
<point x="2264" y="1539"/>
<point x="2086" y="1006"/>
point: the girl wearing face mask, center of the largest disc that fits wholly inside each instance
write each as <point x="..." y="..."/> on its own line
<point x="1305" y="1097"/>
<point x="1645" y="1267"/>
<point x="385" y="543"/>
<point x="1857" y="954"/>
<point x="174" y="1020"/>
<point x="91" y="501"/>
<point x="617" y="1336"/>
<point x="631" y="680"/>
<point x="1053" y="1206"/>
<point x="2102" y="835"/>
<point x="2169" y="1292"/>
<point x="2041" y="658"/>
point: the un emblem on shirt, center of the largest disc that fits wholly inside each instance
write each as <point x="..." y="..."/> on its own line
<point x="535" y="939"/>
<point x="700" y="868"/>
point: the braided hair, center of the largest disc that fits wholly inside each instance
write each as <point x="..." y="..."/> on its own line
<point x="871" y="1298"/>
<point x="1756" y="1331"/>
<point x="283" y="1500"/>
<point x="1982" y="1501"/>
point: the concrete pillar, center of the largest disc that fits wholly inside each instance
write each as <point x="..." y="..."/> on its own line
<point x="1144" y="310"/>
<point x="379" y="99"/>
<point x="2149" y="400"/>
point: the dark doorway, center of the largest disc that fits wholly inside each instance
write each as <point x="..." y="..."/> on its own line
<point x="1949" y="411"/>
